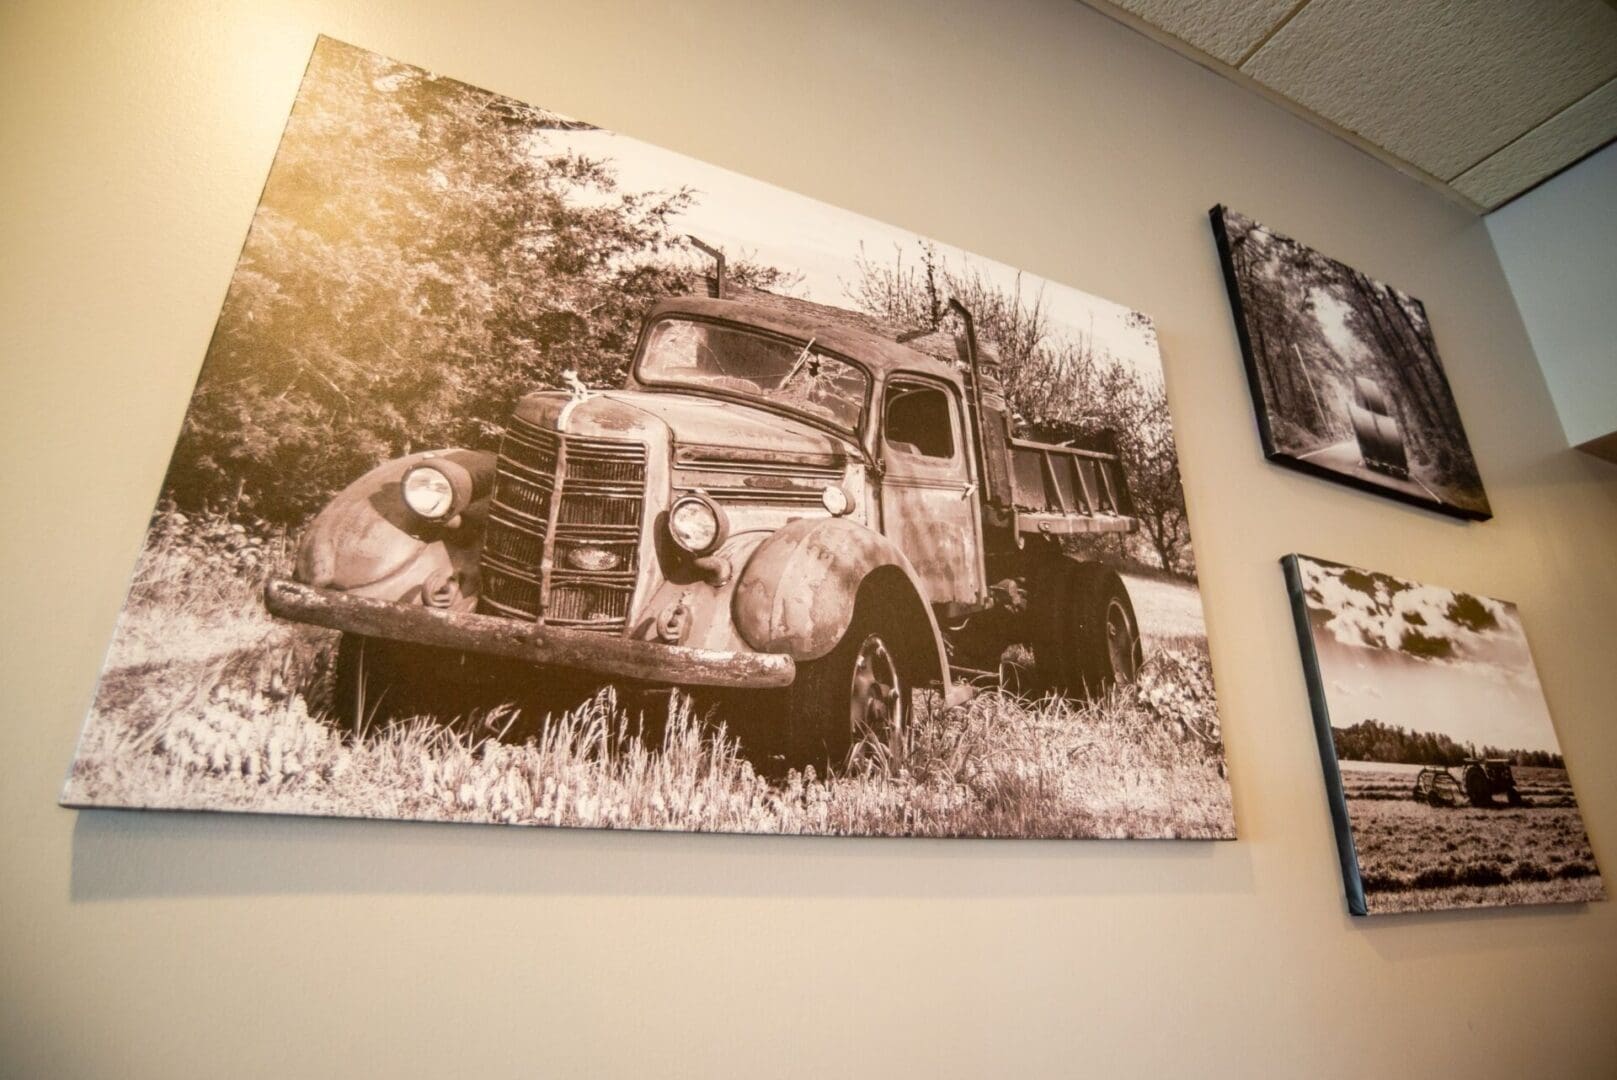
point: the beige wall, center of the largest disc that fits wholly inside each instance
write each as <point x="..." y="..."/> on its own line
<point x="133" y="141"/>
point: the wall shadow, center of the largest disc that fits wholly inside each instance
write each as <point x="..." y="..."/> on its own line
<point x="121" y="854"/>
<point x="1424" y="935"/>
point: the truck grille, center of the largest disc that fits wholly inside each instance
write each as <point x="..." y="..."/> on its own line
<point x="555" y="495"/>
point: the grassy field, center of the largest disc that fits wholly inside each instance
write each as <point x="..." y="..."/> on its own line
<point x="1414" y="857"/>
<point x="1168" y="610"/>
<point x="206" y="704"/>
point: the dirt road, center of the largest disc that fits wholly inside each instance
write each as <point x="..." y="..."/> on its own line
<point x="1343" y="457"/>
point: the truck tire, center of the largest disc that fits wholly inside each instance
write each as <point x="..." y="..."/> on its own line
<point x="854" y="701"/>
<point x="1087" y="638"/>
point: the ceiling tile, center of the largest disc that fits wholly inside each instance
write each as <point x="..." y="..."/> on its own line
<point x="1225" y="29"/>
<point x="1548" y="148"/>
<point x="1442" y="84"/>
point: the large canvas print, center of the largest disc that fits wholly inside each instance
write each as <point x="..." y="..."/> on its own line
<point x="1446" y="780"/>
<point x="538" y="475"/>
<point x="1344" y="373"/>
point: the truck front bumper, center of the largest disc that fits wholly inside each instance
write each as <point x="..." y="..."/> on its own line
<point x="566" y="647"/>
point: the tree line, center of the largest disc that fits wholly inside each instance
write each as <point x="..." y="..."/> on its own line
<point x="1372" y="740"/>
<point x="418" y="261"/>
<point x="422" y="256"/>
<point x="1061" y="384"/>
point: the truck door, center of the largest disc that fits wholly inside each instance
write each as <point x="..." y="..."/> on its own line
<point x="928" y="495"/>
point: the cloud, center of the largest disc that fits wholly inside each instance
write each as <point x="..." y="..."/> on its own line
<point x="1370" y="610"/>
<point x="1369" y="690"/>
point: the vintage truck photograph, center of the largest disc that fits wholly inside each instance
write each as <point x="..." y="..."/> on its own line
<point x="536" y="475"/>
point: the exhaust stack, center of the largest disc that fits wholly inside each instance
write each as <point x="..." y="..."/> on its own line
<point x="718" y="264"/>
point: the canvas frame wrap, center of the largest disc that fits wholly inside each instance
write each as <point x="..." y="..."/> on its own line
<point x="537" y="475"/>
<point x="1346" y="383"/>
<point x="1446" y="783"/>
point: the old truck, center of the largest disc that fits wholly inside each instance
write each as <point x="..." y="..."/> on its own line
<point x="780" y="499"/>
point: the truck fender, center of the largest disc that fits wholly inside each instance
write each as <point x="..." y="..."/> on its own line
<point x="798" y="591"/>
<point x="367" y="541"/>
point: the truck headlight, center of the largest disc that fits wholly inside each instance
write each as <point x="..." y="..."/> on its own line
<point x="835" y="501"/>
<point x="429" y="492"/>
<point x="695" y="524"/>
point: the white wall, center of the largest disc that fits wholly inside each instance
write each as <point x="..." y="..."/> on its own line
<point x="133" y="142"/>
<point x="1558" y="247"/>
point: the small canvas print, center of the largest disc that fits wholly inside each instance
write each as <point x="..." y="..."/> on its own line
<point x="1344" y="373"/>
<point x="537" y="475"/>
<point x="1447" y="784"/>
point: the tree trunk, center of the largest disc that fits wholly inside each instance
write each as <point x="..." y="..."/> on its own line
<point x="1415" y="393"/>
<point x="1432" y="372"/>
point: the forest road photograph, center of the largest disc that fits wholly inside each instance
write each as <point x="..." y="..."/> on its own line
<point x="1344" y="373"/>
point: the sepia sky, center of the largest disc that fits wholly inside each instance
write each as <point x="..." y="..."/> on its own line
<point x="1426" y="658"/>
<point x="1463" y="702"/>
<point x="821" y="242"/>
<point x="1332" y="316"/>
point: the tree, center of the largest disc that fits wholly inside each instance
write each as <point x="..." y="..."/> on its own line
<point x="1059" y="384"/>
<point x="420" y="258"/>
<point x="1159" y="497"/>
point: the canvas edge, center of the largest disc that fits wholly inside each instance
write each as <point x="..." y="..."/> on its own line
<point x="1346" y="852"/>
<point x="1370" y="487"/>
<point x="1260" y="408"/>
<point x="70" y="799"/>
<point x="246" y="812"/>
<point x="1232" y="286"/>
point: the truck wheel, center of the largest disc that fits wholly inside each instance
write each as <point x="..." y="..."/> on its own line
<point x="1086" y="636"/>
<point x="852" y="702"/>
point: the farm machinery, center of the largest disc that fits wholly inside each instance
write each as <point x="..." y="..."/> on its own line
<point x="1477" y="781"/>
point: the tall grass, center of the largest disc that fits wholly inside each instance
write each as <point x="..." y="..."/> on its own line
<point x="207" y="703"/>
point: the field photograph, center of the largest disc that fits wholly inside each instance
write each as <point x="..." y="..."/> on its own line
<point x="1414" y="856"/>
<point x="1345" y="373"/>
<point x="680" y="407"/>
<point x="1439" y="747"/>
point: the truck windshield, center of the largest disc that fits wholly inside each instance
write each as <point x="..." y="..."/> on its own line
<point x="796" y="375"/>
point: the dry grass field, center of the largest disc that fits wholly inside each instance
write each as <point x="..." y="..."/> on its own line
<point x="1414" y="857"/>
<point x="206" y="704"/>
<point x="1168" y="610"/>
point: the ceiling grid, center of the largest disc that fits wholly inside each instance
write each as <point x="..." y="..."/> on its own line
<point x="1481" y="99"/>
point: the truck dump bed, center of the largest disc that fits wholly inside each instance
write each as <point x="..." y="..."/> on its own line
<point x="1065" y="491"/>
